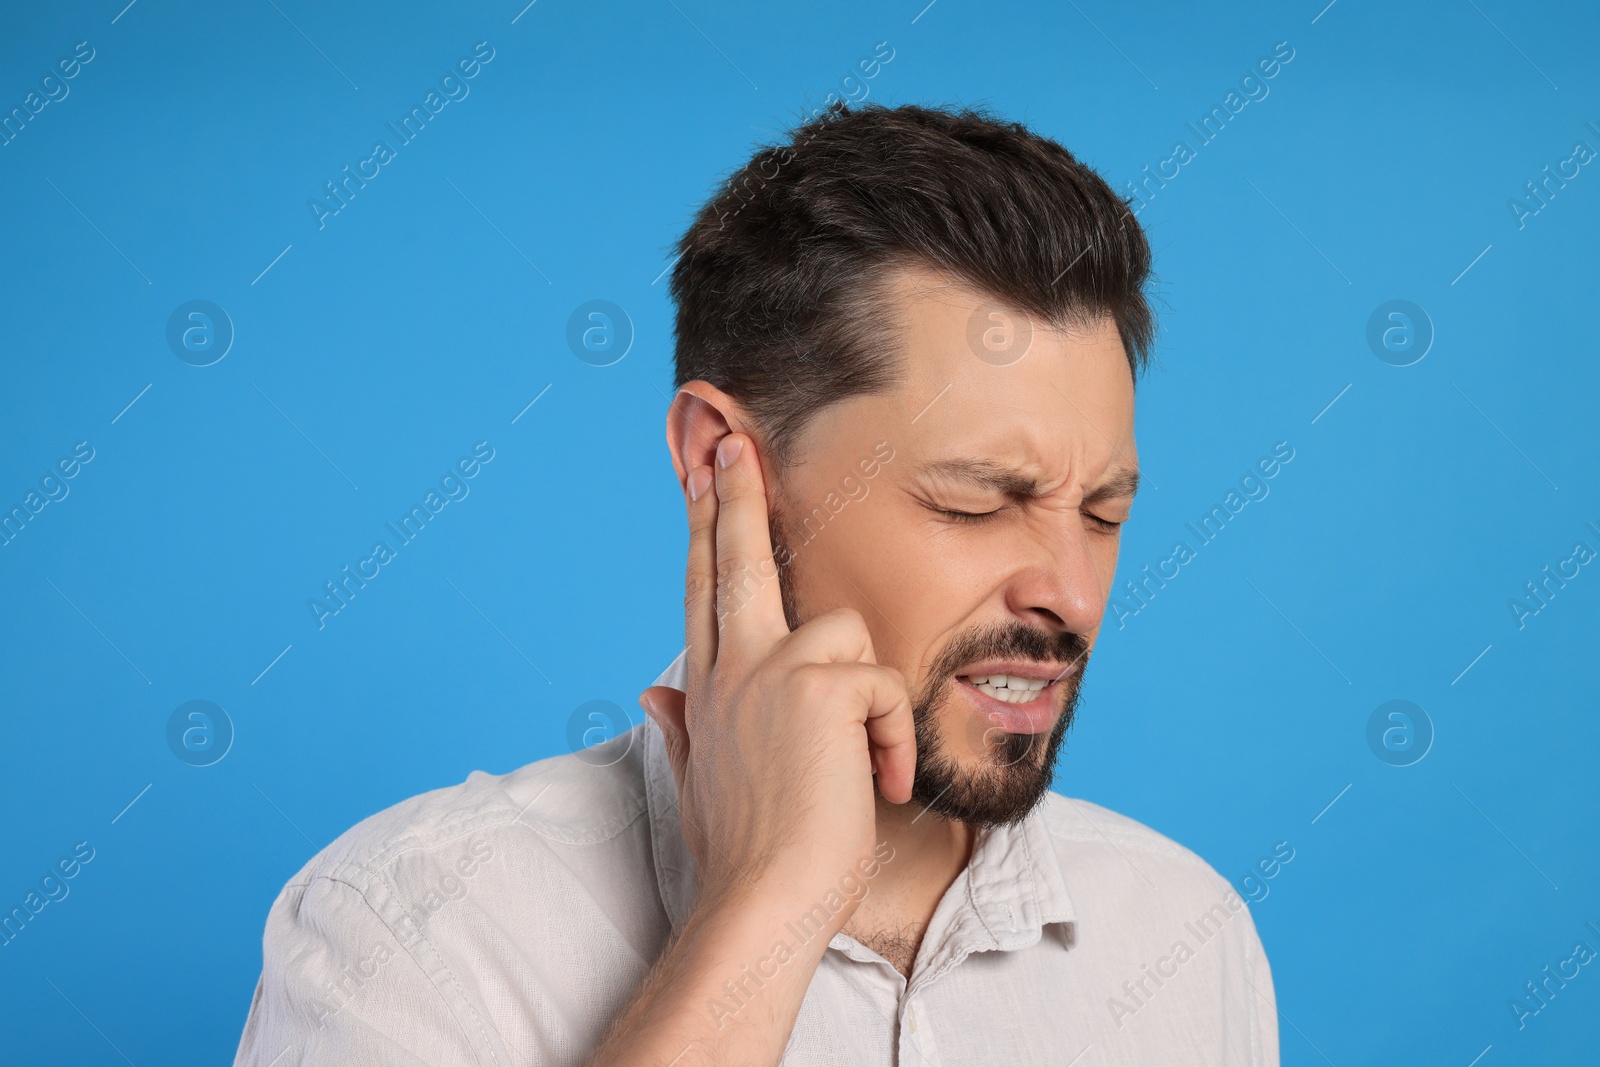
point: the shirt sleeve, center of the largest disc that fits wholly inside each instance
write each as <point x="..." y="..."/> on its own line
<point x="338" y="987"/>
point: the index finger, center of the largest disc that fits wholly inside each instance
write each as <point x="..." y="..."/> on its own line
<point x="750" y="617"/>
<point x="700" y="581"/>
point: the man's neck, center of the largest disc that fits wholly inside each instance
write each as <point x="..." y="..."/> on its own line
<point x="928" y="852"/>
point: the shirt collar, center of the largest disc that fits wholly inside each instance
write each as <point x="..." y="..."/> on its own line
<point x="1013" y="885"/>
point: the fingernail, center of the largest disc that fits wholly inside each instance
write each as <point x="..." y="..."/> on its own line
<point x="728" y="450"/>
<point x="644" y="702"/>
<point x="699" y="482"/>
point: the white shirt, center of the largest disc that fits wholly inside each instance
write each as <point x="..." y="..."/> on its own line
<point x="509" y="919"/>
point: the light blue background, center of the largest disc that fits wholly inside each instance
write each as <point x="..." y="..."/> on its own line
<point x="428" y="313"/>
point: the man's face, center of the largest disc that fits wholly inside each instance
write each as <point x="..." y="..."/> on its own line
<point x="969" y="516"/>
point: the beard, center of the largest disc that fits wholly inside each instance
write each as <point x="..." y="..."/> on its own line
<point x="1012" y="771"/>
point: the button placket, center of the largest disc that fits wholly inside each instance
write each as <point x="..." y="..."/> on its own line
<point x="918" y="1047"/>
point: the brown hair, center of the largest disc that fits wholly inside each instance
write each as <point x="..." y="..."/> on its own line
<point x="779" y="281"/>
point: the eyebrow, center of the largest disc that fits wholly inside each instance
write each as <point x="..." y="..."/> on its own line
<point x="985" y="474"/>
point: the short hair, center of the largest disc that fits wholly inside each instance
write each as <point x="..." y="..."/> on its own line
<point x="780" y="280"/>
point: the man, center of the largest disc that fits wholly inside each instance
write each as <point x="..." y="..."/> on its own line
<point x="906" y="349"/>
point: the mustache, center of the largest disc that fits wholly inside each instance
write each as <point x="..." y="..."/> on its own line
<point x="1014" y="640"/>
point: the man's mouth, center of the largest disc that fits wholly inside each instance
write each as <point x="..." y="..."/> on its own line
<point x="1018" y="705"/>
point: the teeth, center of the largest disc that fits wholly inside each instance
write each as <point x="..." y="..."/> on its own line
<point x="1009" y="688"/>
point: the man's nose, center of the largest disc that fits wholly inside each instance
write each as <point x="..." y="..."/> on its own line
<point x="1059" y="587"/>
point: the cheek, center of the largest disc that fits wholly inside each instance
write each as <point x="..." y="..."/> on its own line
<point x="913" y="581"/>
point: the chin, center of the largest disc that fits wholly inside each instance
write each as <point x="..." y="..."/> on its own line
<point x="976" y="772"/>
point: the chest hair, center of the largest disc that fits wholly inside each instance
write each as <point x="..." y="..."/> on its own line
<point x="899" y="947"/>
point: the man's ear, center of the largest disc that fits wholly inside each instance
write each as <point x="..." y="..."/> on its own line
<point x="700" y="416"/>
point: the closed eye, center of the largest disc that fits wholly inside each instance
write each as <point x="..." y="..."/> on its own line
<point x="968" y="516"/>
<point x="1103" y="524"/>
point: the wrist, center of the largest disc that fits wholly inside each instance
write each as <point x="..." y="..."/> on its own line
<point x="745" y="921"/>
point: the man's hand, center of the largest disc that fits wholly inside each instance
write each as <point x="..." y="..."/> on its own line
<point x="774" y="748"/>
<point x="776" y="741"/>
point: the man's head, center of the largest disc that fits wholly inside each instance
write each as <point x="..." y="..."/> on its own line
<point x="931" y="324"/>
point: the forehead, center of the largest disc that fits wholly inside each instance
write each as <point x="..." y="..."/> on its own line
<point x="979" y="378"/>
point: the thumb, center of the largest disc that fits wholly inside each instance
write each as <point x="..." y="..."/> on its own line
<point x="665" y="705"/>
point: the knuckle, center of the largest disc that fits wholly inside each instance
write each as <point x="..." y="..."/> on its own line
<point x="702" y="522"/>
<point x="698" y="588"/>
<point x="846" y="616"/>
<point x="846" y="624"/>
<point x="731" y="570"/>
<point x="814" y="682"/>
<point x="850" y="621"/>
